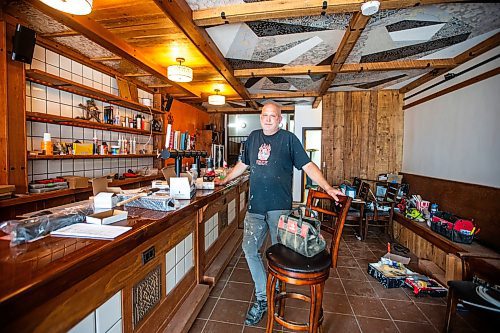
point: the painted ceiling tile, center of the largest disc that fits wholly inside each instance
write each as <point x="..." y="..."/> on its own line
<point x="417" y="34"/>
<point x="35" y="19"/>
<point x="409" y="24"/>
<point x="84" y="46"/>
<point x="243" y="44"/>
<point x="262" y="53"/>
<point x="224" y="35"/>
<point x="293" y="53"/>
<point x="248" y="64"/>
<point x="267" y="28"/>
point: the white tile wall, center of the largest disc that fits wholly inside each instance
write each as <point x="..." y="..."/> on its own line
<point x="179" y="260"/>
<point x="211" y="230"/>
<point x="231" y="211"/>
<point x="105" y="319"/>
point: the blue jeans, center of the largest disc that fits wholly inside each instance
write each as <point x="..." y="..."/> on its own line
<point x="256" y="227"/>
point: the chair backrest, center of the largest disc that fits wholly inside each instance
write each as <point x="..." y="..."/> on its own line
<point x="364" y="190"/>
<point x="392" y="192"/>
<point x="339" y="212"/>
<point x="356" y="183"/>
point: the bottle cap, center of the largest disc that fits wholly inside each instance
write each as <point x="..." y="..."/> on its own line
<point x="46" y="137"/>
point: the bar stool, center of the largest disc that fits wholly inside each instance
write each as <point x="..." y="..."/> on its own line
<point x="287" y="266"/>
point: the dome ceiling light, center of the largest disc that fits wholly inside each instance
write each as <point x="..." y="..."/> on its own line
<point x="216" y="99"/>
<point x="75" y="7"/>
<point x="369" y="8"/>
<point x="179" y="73"/>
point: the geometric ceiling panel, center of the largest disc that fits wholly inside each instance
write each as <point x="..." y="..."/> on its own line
<point x="267" y="28"/>
<point x="417" y="32"/>
<point x="247" y="64"/>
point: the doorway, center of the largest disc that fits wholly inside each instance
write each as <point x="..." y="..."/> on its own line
<point x="311" y="139"/>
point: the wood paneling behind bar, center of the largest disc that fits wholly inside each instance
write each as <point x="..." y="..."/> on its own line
<point x="362" y="134"/>
<point x="478" y="202"/>
<point x="4" y="165"/>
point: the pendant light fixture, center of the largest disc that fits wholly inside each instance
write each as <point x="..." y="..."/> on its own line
<point x="179" y="73"/>
<point x="75" y="7"/>
<point x="216" y="99"/>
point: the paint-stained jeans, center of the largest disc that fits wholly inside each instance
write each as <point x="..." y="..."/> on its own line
<point x="256" y="227"/>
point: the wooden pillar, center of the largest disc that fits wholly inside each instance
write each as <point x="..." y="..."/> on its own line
<point x="4" y="166"/>
<point x="16" y="119"/>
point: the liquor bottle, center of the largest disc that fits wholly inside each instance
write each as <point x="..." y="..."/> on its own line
<point x="138" y="121"/>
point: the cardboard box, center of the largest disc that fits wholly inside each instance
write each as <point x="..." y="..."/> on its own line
<point x="107" y="217"/>
<point x="105" y="200"/>
<point x="77" y="182"/>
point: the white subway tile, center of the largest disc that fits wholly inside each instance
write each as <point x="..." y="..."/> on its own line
<point x="65" y="63"/>
<point x="55" y="165"/>
<point x="66" y="132"/>
<point x="39" y="53"/>
<point x="54" y="108"/>
<point x="28" y="103"/>
<point x="106" y="89"/>
<point x="79" y="173"/>
<point x="106" y="163"/>
<point x="52" y="95"/>
<point x="38" y="91"/>
<point x="65" y="97"/>
<point x="52" y="70"/>
<point x="36" y="143"/>
<point x="89" y="164"/>
<point x="77" y="78"/>
<point x="106" y="80"/>
<point x="188" y="243"/>
<point x="66" y="111"/>
<point x="77" y="99"/>
<point x="179" y="271"/>
<point x="37" y="64"/>
<point x="65" y="74"/>
<point x="37" y="129"/>
<point x="97" y="85"/>
<point x="28" y="88"/>
<point x="117" y="327"/>
<point x="29" y="144"/>
<point x="97" y="76"/>
<point x="89" y="173"/>
<point x="78" y="133"/>
<point x="88" y="134"/>
<point x="98" y="164"/>
<point x="52" y="58"/>
<point x="79" y="165"/>
<point x="39" y="177"/>
<point x="28" y="128"/>
<point x="87" y="82"/>
<point x="188" y="261"/>
<point x="54" y="130"/>
<point x="87" y="325"/>
<point x="76" y="68"/>
<point x="40" y="167"/>
<point x="87" y="72"/>
<point x="67" y="166"/>
<point x="109" y="313"/>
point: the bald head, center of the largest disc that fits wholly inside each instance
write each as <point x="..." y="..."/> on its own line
<point x="270" y="118"/>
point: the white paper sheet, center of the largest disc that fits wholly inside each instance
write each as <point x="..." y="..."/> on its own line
<point x="86" y="230"/>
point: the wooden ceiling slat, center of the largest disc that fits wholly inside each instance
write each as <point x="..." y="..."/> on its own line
<point x="278" y="9"/>
<point x="467" y="55"/>
<point x="67" y="33"/>
<point x="282" y="71"/>
<point x="356" y="27"/>
<point x="98" y="34"/>
<point x="225" y="109"/>
<point x="287" y="94"/>
<point x="180" y="13"/>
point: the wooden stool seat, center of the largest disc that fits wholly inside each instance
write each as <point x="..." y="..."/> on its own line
<point x="286" y="266"/>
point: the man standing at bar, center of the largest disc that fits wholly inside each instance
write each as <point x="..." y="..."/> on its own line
<point x="271" y="154"/>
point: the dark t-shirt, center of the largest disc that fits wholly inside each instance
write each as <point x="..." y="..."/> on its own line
<point x="271" y="159"/>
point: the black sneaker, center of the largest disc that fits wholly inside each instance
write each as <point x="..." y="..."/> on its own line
<point x="256" y="312"/>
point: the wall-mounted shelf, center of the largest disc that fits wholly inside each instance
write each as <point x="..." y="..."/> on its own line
<point x="75" y="157"/>
<point x="37" y="76"/>
<point x="53" y="119"/>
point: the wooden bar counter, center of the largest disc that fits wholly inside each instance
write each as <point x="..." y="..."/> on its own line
<point x="155" y="277"/>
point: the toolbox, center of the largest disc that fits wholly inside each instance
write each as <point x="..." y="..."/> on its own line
<point x="452" y="227"/>
<point x="423" y="285"/>
<point x="389" y="278"/>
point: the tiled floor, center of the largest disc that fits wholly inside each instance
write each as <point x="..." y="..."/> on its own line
<point x="353" y="300"/>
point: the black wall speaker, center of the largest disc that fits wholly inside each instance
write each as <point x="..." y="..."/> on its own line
<point x="23" y="44"/>
<point x="168" y="104"/>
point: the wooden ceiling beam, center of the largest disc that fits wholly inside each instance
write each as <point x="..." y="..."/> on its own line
<point x="113" y="58"/>
<point x="276" y="9"/>
<point x="225" y="109"/>
<point x="181" y="14"/>
<point x="100" y="35"/>
<point x="67" y="33"/>
<point x="467" y="55"/>
<point x="351" y="36"/>
<point x="346" y="68"/>
<point x="287" y="94"/>
<point x="137" y="74"/>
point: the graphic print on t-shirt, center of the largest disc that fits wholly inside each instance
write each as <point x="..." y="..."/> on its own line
<point x="264" y="153"/>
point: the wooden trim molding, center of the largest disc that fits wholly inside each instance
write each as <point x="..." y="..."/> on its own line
<point x="455" y="87"/>
<point x="4" y="157"/>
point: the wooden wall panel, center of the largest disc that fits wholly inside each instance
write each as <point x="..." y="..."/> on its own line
<point x="362" y="134"/>
<point x="4" y="174"/>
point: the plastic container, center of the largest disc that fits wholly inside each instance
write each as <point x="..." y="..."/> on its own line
<point x="47" y="144"/>
<point x="115" y="150"/>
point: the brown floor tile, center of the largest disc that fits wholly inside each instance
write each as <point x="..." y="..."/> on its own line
<point x="435" y="313"/>
<point x="389" y="293"/>
<point x="207" y="308"/>
<point x="376" y="325"/>
<point x="405" y="311"/>
<point x="336" y="303"/>
<point x="333" y="285"/>
<point x="358" y="288"/>
<point x="346" y="261"/>
<point x="364" y="254"/>
<point x="368" y="307"/>
<point x="217" y="289"/>
<point x="333" y="273"/>
<point x="379" y="253"/>
<point x="251" y="329"/>
<point x="226" y="274"/>
<point x="297" y="315"/>
<point x="351" y="273"/>
<point x="217" y="327"/>
<point x="426" y="299"/>
<point x="238" y="291"/>
<point x="336" y="323"/>
<point x="408" y="327"/>
<point x="242" y="264"/>
<point x="241" y="275"/>
<point x="230" y="311"/>
<point x="197" y="326"/>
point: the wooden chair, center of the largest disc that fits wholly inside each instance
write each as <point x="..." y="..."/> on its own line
<point x="484" y="267"/>
<point x="379" y="214"/>
<point x="289" y="267"/>
<point x="356" y="183"/>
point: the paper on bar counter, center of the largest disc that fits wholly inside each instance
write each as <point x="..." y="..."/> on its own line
<point x="95" y="231"/>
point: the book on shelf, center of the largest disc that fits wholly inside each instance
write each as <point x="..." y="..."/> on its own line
<point x="167" y="137"/>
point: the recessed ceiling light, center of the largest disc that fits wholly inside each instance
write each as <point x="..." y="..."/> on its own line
<point x="75" y="7"/>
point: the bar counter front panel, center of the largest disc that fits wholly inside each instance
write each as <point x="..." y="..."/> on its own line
<point x="134" y="283"/>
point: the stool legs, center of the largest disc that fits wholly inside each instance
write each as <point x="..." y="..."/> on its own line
<point x="270" y="290"/>
<point x="316" y="302"/>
